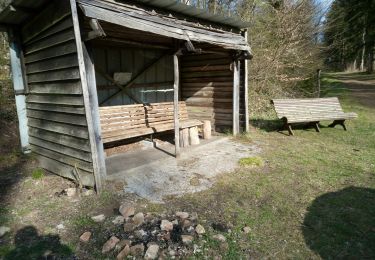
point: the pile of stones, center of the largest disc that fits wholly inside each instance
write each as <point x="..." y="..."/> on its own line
<point x="151" y="236"/>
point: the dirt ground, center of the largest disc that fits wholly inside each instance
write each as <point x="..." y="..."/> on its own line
<point x="361" y="86"/>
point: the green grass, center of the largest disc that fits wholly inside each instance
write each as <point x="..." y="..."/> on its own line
<point x="315" y="197"/>
<point x="37" y="174"/>
<point x="255" y="161"/>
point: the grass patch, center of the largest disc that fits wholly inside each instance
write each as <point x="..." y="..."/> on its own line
<point x="255" y="161"/>
<point x="37" y="174"/>
<point x="316" y="197"/>
<point x="82" y="222"/>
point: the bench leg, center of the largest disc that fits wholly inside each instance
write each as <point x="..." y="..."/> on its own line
<point x="338" y="122"/>
<point x="289" y="128"/>
<point x="316" y="126"/>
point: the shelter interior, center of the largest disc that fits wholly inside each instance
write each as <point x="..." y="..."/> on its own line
<point x="94" y="72"/>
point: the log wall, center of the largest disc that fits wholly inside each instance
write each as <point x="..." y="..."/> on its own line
<point x="207" y="88"/>
<point x="55" y="106"/>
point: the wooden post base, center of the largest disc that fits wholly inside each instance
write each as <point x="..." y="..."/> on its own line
<point x="184" y="137"/>
<point x="194" y="136"/>
<point x="338" y="122"/>
<point x="206" y="129"/>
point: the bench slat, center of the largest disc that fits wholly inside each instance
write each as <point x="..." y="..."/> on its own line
<point x="128" y="121"/>
<point x="310" y="110"/>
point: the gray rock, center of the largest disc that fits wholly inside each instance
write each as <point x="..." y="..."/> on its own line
<point x="152" y="252"/>
<point x="110" y="244"/>
<point x="166" y="225"/>
<point x="70" y="192"/>
<point x="138" y="219"/>
<point x="126" y="211"/>
<point x="87" y="192"/>
<point x="128" y="227"/>
<point x="200" y="229"/>
<point x="120" y="245"/>
<point x="194" y="216"/>
<point x="137" y="250"/>
<point x="219" y="237"/>
<point x="98" y="218"/>
<point x="246" y="230"/>
<point x="187" y="239"/>
<point x="140" y="233"/>
<point x="119" y="220"/>
<point x="182" y="215"/>
<point x="60" y="226"/>
<point x="124" y="253"/>
<point x="4" y="230"/>
<point x="186" y="223"/>
<point x="172" y="252"/>
<point x="85" y="237"/>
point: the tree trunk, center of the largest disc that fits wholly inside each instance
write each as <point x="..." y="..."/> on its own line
<point x="370" y="62"/>
<point x="362" y="67"/>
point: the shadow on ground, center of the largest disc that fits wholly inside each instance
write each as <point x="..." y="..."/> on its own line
<point x="277" y="126"/>
<point x="30" y="245"/>
<point x="342" y="224"/>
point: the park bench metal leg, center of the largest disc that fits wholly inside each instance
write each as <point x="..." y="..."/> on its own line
<point x="288" y="127"/>
<point x="338" y="122"/>
<point x="316" y="126"/>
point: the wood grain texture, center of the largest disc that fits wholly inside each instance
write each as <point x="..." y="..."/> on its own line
<point x="209" y="96"/>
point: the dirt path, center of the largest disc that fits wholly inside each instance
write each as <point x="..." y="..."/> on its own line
<point x="361" y="86"/>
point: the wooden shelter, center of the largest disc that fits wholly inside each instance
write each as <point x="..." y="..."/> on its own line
<point x="81" y="65"/>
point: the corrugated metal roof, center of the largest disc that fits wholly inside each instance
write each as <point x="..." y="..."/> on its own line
<point x="178" y="7"/>
<point x="138" y="18"/>
<point x="19" y="11"/>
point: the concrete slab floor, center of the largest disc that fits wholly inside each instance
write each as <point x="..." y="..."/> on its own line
<point x="154" y="173"/>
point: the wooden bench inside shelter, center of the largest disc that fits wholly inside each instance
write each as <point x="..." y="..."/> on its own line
<point x="311" y="110"/>
<point x="129" y="121"/>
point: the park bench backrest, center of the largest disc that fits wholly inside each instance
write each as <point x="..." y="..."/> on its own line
<point x="309" y="109"/>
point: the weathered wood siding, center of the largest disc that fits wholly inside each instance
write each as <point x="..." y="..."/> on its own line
<point x="242" y="97"/>
<point x="155" y="85"/>
<point x="207" y="88"/>
<point x="55" y="107"/>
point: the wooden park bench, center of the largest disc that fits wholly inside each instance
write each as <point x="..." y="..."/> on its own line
<point x="312" y="111"/>
<point x="129" y="121"/>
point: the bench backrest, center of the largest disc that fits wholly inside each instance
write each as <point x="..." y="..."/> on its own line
<point x="308" y="109"/>
<point x="133" y="117"/>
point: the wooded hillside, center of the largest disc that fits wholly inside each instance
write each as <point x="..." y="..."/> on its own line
<point x="349" y="35"/>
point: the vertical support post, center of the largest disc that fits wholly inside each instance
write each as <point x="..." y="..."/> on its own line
<point x="175" y="103"/>
<point x="90" y="102"/>
<point x="19" y="85"/>
<point x="318" y="71"/>
<point x="236" y="97"/>
<point x="246" y="88"/>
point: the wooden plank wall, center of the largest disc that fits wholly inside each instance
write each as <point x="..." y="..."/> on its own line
<point x="55" y="107"/>
<point x="156" y="85"/>
<point x="207" y="88"/>
<point x="242" y="97"/>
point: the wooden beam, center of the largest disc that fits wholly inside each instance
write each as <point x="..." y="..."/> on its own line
<point x="97" y="30"/>
<point x="236" y="97"/>
<point x="19" y="85"/>
<point x="90" y="102"/>
<point x="109" y="78"/>
<point x="140" y="73"/>
<point x="175" y="103"/>
<point x="246" y="87"/>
